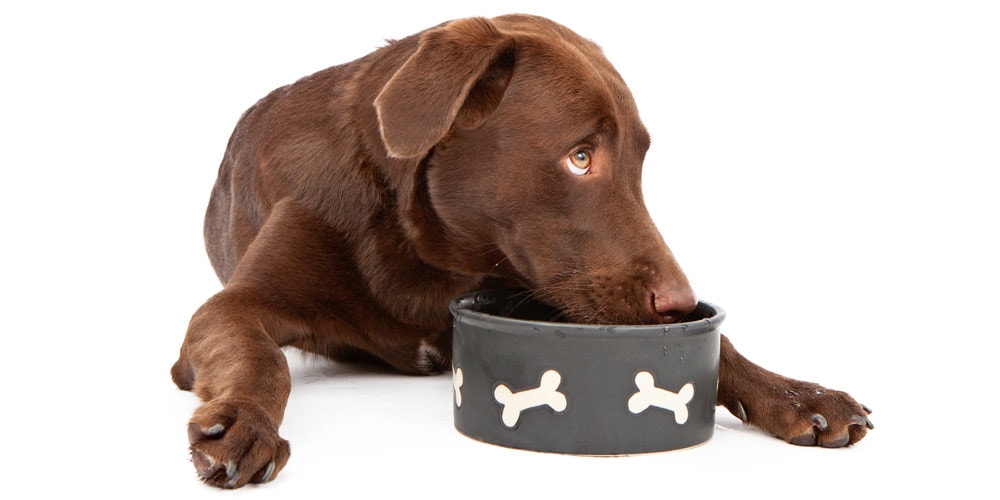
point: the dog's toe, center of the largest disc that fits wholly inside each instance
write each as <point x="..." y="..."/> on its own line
<point x="807" y="439"/>
<point x="204" y="464"/>
<point x="838" y="442"/>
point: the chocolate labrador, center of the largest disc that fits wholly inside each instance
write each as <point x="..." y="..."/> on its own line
<point x="354" y="204"/>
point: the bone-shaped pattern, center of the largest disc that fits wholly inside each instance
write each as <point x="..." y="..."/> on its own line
<point x="457" y="380"/>
<point x="516" y="402"/>
<point x="650" y="395"/>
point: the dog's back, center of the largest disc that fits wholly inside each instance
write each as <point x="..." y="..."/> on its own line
<point x="307" y="140"/>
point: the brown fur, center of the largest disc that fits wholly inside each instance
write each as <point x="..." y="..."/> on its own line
<point x="351" y="207"/>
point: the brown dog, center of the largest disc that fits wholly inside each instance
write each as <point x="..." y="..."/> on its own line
<point x="354" y="204"/>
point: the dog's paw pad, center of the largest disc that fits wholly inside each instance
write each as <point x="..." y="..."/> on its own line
<point x="839" y="442"/>
<point x="807" y="439"/>
<point x="204" y="464"/>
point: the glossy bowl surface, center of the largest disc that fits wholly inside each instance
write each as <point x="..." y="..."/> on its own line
<point x="524" y="379"/>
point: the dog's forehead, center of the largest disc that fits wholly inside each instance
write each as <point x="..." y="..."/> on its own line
<point x="561" y="69"/>
<point x="568" y="56"/>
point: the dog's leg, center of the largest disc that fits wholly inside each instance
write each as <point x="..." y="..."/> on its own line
<point x="232" y="364"/>
<point x="231" y="357"/>
<point x="799" y="412"/>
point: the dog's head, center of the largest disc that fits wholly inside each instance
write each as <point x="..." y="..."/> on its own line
<point x="530" y="151"/>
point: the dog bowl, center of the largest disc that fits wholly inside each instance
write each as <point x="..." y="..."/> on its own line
<point x="524" y="379"/>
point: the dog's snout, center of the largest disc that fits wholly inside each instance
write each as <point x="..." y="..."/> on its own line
<point x="673" y="303"/>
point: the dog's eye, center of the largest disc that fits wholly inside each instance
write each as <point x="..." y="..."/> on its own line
<point x="578" y="163"/>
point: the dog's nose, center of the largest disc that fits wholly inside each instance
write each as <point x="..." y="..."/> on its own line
<point x="673" y="303"/>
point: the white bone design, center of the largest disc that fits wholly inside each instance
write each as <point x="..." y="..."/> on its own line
<point x="516" y="402"/>
<point x="457" y="380"/>
<point x="650" y="395"/>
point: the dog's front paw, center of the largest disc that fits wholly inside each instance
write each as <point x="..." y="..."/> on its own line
<point x="234" y="442"/>
<point x="805" y="414"/>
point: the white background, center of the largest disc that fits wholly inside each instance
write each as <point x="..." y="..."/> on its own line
<point x="826" y="172"/>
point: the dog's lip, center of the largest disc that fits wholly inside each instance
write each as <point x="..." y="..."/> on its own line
<point x="670" y="319"/>
<point x="469" y="308"/>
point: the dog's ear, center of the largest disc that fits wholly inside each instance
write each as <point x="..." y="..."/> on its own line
<point x="458" y="75"/>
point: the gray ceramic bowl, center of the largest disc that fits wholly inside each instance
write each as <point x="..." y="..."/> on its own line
<point x="523" y="379"/>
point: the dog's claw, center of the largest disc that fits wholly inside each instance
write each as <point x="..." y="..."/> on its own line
<point x="741" y="412"/>
<point x="232" y="473"/>
<point x="859" y="420"/>
<point x="819" y="421"/>
<point x="196" y="434"/>
<point x="867" y="409"/>
<point x="267" y="472"/>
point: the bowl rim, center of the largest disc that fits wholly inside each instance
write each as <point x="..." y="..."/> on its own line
<point x="460" y="310"/>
